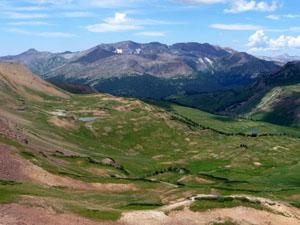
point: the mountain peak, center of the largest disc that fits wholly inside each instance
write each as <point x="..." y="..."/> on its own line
<point x="30" y="51"/>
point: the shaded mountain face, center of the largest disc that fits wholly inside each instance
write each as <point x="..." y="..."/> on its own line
<point x="133" y="69"/>
<point x="273" y="98"/>
<point x="281" y="102"/>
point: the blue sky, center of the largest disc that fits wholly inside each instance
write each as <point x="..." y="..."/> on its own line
<point x="261" y="27"/>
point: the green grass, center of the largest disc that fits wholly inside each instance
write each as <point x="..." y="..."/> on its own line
<point x="147" y="142"/>
<point x="95" y="214"/>
<point x="7" y="196"/>
<point x="140" y="206"/>
<point x="232" y="125"/>
<point x="204" y="205"/>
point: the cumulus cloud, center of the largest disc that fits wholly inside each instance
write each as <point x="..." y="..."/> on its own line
<point x="236" y="27"/>
<point x="120" y="22"/>
<point x="238" y="6"/>
<point x="259" y="41"/>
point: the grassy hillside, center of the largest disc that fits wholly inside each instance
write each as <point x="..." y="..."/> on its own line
<point x="281" y="105"/>
<point x="99" y="155"/>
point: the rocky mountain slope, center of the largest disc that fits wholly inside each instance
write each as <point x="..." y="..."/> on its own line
<point x="17" y="79"/>
<point x="152" y="70"/>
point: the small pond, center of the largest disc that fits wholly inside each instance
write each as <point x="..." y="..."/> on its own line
<point x="86" y="119"/>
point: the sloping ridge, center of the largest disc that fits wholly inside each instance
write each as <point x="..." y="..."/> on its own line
<point x="18" y="78"/>
<point x="274" y="98"/>
<point x="281" y="104"/>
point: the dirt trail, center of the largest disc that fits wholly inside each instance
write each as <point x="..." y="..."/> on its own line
<point x="241" y="215"/>
<point x="283" y="213"/>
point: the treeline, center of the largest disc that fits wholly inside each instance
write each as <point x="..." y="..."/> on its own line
<point x="192" y="124"/>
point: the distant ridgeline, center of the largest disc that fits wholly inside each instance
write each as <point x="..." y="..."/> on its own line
<point x="211" y="78"/>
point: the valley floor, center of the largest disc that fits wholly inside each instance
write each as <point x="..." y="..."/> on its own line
<point x="99" y="159"/>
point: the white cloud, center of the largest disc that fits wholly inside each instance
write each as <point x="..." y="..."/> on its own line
<point x="294" y="29"/>
<point x="152" y="34"/>
<point x="29" y="8"/>
<point x="202" y="2"/>
<point x="52" y="2"/>
<point x="291" y="16"/>
<point x="120" y="22"/>
<point x="259" y="41"/>
<point x="109" y="3"/>
<point x="237" y="27"/>
<point x="273" y="17"/>
<point x="78" y="14"/>
<point x="28" y="23"/>
<point x="27" y="16"/>
<point x="238" y="6"/>
<point x="279" y="17"/>
<point x="42" y="34"/>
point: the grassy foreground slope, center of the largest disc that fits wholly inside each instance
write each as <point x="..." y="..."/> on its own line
<point x="99" y="156"/>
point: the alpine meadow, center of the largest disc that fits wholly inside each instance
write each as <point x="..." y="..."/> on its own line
<point x="136" y="112"/>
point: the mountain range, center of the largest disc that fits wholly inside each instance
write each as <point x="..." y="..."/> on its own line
<point x="281" y="59"/>
<point x="211" y="78"/>
<point x="151" y="70"/>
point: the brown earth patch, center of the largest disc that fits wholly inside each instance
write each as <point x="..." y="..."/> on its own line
<point x="11" y="131"/>
<point x="92" y="111"/>
<point x="13" y="117"/>
<point x="123" y="108"/>
<point x="17" y="169"/>
<point x="11" y="168"/>
<point x="41" y="176"/>
<point x="199" y="180"/>
<point x="240" y="215"/>
<point x="116" y="99"/>
<point x="100" y="172"/>
<point x="18" y="76"/>
<point x="62" y="123"/>
<point x="16" y="214"/>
